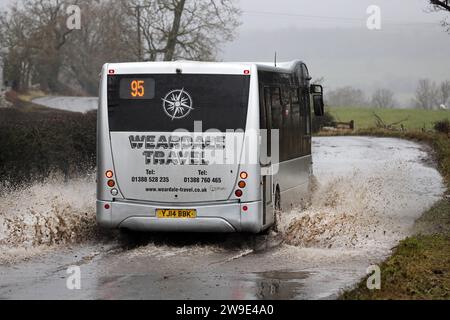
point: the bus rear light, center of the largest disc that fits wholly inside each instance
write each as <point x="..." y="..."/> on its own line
<point x="242" y="184"/>
<point x="246" y="72"/>
<point x="109" y="174"/>
<point x="244" y="175"/>
<point x="111" y="183"/>
<point x="238" y="193"/>
<point x="245" y="208"/>
<point x="107" y="206"/>
<point x="112" y="71"/>
<point x="114" y="192"/>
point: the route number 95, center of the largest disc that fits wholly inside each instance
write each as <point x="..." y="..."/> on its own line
<point x="137" y="88"/>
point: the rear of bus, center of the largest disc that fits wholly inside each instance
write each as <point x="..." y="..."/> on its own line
<point x="172" y="138"/>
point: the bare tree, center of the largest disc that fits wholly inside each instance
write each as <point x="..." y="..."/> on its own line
<point x="48" y="39"/>
<point x="39" y="34"/>
<point x="185" y="29"/>
<point x="15" y="53"/>
<point x="442" y="5"/>
<point x="383" y="99"/>
<point x="104" y="37"/>
<point x="36" y="46"/>
<point x="346" y="97"/>
<point x="444" y="92"/>
<point x="426" y="94"/>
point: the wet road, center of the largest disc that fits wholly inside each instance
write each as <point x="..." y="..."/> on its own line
<point x="74" y="104"/>
<point x="369" y="193"/>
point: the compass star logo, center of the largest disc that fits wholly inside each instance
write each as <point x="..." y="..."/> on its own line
<point x="177" y="104"/>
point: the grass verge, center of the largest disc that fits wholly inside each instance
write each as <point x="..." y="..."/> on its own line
<point x="412" y="119"/>
<point x="31" y="95"/>
<point x="419" y="268"/>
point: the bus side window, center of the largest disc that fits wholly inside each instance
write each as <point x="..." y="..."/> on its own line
<point x="286" y="112"/>
<point x="306" y="78"/>
<point x="287" y="135"/>
<point x="296" y="123"/>
<point x="266" y="117"/>
<point x="264" y="94"/>
<point x="277" y="120"/>
<point x="303" y="112"/>
<point x="276" y="107"/>
<point x="286" y="105"/>
<point x="285" y="96"/>
<point x="308" y="114"/>
<point x="304" y="120"/>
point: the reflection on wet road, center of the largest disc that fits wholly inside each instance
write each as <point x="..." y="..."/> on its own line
<point x="369" y="193"/>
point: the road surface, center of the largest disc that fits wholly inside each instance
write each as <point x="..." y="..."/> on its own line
<point x="369" y="193"/>
<point x="74" y="104"/>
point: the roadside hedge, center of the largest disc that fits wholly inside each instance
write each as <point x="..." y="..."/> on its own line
<point x="35" y="144"/>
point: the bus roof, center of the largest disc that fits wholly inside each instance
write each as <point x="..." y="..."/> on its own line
<point x="199" y="67"/>
<point x="280" y="67"/>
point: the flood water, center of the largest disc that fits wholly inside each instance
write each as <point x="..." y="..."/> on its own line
<point x="73" y="104"/>
<point x="369" y="193"/>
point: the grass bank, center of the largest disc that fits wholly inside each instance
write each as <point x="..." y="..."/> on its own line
<point x="419" y="267"/>
<point x="31" y="95"/>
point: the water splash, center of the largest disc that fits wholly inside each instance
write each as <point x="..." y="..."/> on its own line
<point x="364" y="209"/>
<point x="46" y="214"/>
<point x="368" y="203"/>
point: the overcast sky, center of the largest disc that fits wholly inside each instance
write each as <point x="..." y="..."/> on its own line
<point x="330" y="13"/>
<point x="405" y="10"/>
<point x="332" y="38"/>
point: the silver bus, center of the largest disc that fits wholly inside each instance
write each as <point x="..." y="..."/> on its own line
<point x="203" y="147"/>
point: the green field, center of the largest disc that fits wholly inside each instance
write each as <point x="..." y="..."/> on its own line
<point x="364" y="117"/>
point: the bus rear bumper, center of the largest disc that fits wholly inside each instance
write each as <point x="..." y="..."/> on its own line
<point x="214" y="225"/>
<point x="217" y="218"/>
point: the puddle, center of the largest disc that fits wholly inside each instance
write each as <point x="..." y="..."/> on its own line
<point x="278" y="285"/>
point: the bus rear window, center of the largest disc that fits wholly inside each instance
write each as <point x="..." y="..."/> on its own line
<point x="169" y="102"/>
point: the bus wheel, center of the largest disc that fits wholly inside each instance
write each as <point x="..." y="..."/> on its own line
<point x="278" y="199"/>
<point x="127" y="237"/>
<point x="277" y="208"/>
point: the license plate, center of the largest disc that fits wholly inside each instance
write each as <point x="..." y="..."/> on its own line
<point x="176" y="214"/>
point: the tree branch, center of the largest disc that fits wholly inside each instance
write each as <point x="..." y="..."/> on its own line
<point x="444" y="4"/>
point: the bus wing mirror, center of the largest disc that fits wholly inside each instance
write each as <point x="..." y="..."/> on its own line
<point x="317" y="100"/>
